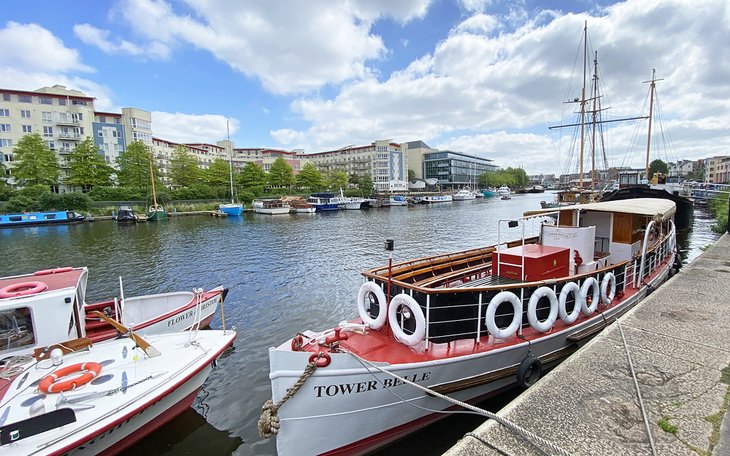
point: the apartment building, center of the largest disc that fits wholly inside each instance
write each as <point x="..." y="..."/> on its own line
<point x="384" y="161"/>
<point x="717" y="170"/>
<point x="109" y="135"/>
<point x="455" y="169"/>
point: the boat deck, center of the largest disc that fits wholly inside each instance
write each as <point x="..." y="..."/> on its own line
<point x="53" y="281"/>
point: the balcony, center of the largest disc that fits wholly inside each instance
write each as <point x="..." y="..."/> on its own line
<point x="71" y="136"/>
<point x="67" y="121"/>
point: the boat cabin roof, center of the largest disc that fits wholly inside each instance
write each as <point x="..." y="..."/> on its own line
<point x="649" y="207"/>
<point x="53" y="281"/>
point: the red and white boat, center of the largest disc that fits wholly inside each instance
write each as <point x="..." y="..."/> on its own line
<point x="31" y="315"/>
<point x="82" y="399"/>
<point x="468" y="324"/>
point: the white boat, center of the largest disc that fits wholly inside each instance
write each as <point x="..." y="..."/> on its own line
<point x="31" y="310"/>
<point x="464" y="195"/>
<point x="271" y="207"/>
<point x="102" y="398"/>
<point x="503" y="190"/>
<point x="397" y="200"/>
<point x="432" y="199"/>
<point x="467" y="324"/>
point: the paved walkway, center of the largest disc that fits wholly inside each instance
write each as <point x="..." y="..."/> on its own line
<point x="679" y="341"/>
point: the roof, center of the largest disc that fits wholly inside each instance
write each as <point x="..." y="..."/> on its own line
<point x="640" y="206"/>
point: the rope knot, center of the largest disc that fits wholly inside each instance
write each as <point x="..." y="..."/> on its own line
<point x="268" y="421"/>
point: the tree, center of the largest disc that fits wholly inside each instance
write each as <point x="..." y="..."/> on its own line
<point x="366" y="185"/>
<point x="87" y="167"/>
<point x="657" y="166"/>
<point x="184" y="169"/>
<point x="134" y="166"/>
<point x="310" y="177"/>
<point x="281" y="174"/>
<point x="411" y="175"/>
<point x="336" y="180"/>
<point x="35" y="163"/>
<point x="252" y="176"/>
<point x="218" y="173"/>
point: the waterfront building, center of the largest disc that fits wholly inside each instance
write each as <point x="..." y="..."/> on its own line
<point x="108" y="132"/>
<point x="455" y="169"/>
<point x="415" y="151"/>
<point x="384" y="161"/>
<point x="717" y="170"/>
<point x="137" y="125"/>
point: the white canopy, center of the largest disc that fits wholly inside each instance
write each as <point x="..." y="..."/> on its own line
<point x="649" y="207"/>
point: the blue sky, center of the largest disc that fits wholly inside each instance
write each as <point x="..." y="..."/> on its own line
<point x="479" y="76"/>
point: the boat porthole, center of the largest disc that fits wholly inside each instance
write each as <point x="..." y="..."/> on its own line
<point x="102" y="379"/>
<point x="31" y="400"/>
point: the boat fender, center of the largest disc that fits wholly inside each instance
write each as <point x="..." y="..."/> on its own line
<point x="542" y="292"/>
<point x="363" y="295"/>
<point x="323" y="359"/>
<point x="499" y="298"/>
<point x="22" y="289"/>
<point x="53" y="271"/>
<point x="404" y="300"/>
<point x="50" y="384"/>
<point x="608" y="288"/>
<point x="589" y="283"/>
<point x="529" y="371"/>
<point x="570" y="287"/>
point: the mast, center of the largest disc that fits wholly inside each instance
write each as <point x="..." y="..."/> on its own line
<point x="583" y="103"/>
<point x="652" y="86"/>
<point x="230" y="159"/>
<point x="595" y="114"/>
<point x="152" y="177"/>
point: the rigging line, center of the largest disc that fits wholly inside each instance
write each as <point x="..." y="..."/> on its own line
<point x="528" y="435"/>
<point x="636" y="385"/>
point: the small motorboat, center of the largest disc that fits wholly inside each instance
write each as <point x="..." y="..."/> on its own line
<point x="126" y="214"/>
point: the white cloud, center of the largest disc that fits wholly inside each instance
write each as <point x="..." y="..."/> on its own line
<point x="192" y="128"/>
<point x="32" y="48"/>
<point x="100" y="38"/>
<point x="479" y="23"/>
<point x="289" y="137"/>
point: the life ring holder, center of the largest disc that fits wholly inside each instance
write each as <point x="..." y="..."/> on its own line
<point x="569" y="318"/>
<point x="419" y="332"/>
<point x="362" y="295"/>
<point x="15" y="290"/>
<point x="50" y="384"/>
<point x="537" y="295"/>
<point x="608" y="280"/>
<point x="53" y="271"/>
<point x="589" y="283"/>
<point x="499" y="298"/>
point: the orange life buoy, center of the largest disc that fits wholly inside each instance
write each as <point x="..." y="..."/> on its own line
<point x="323" y="359"/>
<point x="22" y="289"/>
<point x="50" y="383"/>
<point x="53" y="271"/>
<point x="297" y="343"/>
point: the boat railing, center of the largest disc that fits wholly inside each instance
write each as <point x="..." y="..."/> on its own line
<point x="651" y="256"/>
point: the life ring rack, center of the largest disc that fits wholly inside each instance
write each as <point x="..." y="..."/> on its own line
<point x="22" y="289"/>
<point x="50" y="384"/>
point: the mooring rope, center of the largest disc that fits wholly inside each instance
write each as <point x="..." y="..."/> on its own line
<point x="528" y="435"/>
<point x="636" y="386"/>
<point x="269" y="421"/>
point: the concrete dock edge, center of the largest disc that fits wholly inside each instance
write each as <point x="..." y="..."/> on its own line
<point x="679" y="342"/>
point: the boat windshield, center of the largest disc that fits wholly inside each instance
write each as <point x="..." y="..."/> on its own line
<point x="16" y="328"/>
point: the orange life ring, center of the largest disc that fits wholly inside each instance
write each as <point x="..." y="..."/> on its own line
<point x="53" y="271"/>
<point x="297" y="343"/>
<point x="22" y="289"/>
<point x="322" y="361"/>
<point x="50" y="383"/>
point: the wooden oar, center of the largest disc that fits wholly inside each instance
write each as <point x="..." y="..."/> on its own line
<point x="141" y="343"/>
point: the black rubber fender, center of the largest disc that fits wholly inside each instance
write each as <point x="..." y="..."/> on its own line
<point x="529" y="371"/>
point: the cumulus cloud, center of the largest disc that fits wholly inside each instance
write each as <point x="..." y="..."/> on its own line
<point x="100" y="38"/>
<point x="192" y="128"/>
<point x="32" y="48"/>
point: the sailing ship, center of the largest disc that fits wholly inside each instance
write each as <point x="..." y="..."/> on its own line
<point x="467" y="324"/>
<point x="155" y="212"/>
<point x="232" y="209"/>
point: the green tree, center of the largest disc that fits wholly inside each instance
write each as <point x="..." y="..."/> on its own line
<point x="252" y="176"/>
<point x="520" y="176"/>
<point x="411" y="175"/>
<point x="281" y="174"/>
<point x="218" y="173"/>
<point x="366" y="185"/>
<point x="87" y="167"/>
<point x="35" y="163"/>
<point x="336" y="180"/>
<point x="184" y="169"/>
<point x="658" y="166"/>
<point x="3" y="175"/>
<point x="134" y="166"/>
<point x="310" y="177"/>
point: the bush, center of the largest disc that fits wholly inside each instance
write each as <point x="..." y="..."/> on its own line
<point x="6" y="192"/>
<point x="21" y="203"/>
<point x="719" y="207"/>
<point x="35" y="192"/>
<point x="74" y="201"/>
<point x="198" y="192"/>
<point x="246" y="197"/>
<point x="118" y="193"/>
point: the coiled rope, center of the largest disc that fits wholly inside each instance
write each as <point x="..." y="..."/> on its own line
<point x="535" y="439"/>
<point x="14" y="366"/>
<point x="269" y="421"/>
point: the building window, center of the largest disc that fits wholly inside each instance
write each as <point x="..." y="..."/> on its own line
<point x="47" y="131"/>
<point x="4" y="112"/>
<point x="8" y="157"/>
<point x="25" y="99"/>
<point x="51" y="145"/>
<point x="47" y="116"/>
<point x="6" y="143"/>
<point x="78" y="102"/>
<point x="25" y="113"/>
<point x="101" y="134"/>
<point x="27" y="129"/>
<point x="4" y="127"/>
<point x="45" y="100"/>
<point x="62" y="102"/>
<point x="6" y="97"/>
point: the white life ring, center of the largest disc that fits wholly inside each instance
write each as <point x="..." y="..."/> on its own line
<point x="362" y="296"/>
<point x="587" y="284"/>
<point x="499" y="298"/>
<point x="570" y="287"/>
<point x="542" y="292"/>
<point x="419" y="332"/>
<point x="606" y="296"/>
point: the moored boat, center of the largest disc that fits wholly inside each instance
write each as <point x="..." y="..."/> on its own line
<point x="40" y="218"/>
<point x="126" y="214"/>
<point x="464" y="195"/>
<point x="432" y="199"/>
<point x="489" y="192"/>
<point x="397" y="200"/>
<point x="323" y="202"/>
<point x="155" y="212"/>
<point x="271" y="206"/>
<point x="467" y="324"/>
<point x="231" y="209"/>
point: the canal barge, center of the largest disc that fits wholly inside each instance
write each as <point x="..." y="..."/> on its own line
<point x="40" y="218"/>
<point x="468" y="325"/>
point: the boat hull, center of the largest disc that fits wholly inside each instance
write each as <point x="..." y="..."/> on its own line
<point x="231" y="210"/>
<point x="154" y="216"/>
<point x="40" y="218"/>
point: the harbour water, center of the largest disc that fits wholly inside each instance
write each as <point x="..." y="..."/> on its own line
<point x="285" y="274"/>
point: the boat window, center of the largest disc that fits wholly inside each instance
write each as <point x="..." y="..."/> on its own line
<point x="50" y="216"/>
<point x="16" y="328"/>
<point x="16" y="218"/>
